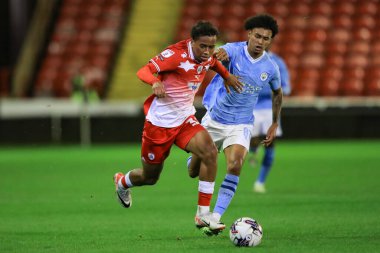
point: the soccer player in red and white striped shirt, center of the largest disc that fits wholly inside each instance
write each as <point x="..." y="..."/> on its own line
<point x="170" y="119"/>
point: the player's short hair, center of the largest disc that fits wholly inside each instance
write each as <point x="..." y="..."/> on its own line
<point x="203" y="28"/>
<point x="265" y="21"/>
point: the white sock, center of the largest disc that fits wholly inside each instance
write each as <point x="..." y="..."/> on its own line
<point x="201" y="210"/>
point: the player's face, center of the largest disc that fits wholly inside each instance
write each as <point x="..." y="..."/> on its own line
<point x="203" y="47"/>
<point x="259" y="40"/>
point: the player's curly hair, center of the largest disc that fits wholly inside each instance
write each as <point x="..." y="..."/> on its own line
<point x="203" y="28"/>
<point x="265" y="21"/>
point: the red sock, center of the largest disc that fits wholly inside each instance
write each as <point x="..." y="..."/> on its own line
<point x="204" y="199"/>
<point x="123" y="182"/>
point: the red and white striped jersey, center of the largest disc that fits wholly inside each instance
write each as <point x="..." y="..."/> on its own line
<point x="181" y="75"/>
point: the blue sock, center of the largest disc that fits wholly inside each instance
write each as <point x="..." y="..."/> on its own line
<point x="266" y="164"/>
<point x="226" y="193"/>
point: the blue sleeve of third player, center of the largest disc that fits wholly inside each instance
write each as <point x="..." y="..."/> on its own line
<point x="285" y="79"/>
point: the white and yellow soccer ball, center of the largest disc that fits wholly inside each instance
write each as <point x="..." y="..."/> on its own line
<point x="246" y="232"/>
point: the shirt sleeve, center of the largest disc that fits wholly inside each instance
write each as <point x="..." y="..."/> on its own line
<point x="285" y="79"/>
<point x="275" y="82"/>
<point x="167" y="60"/>
<point x="146" y="74"/>
<point x="230" y="49"/>
<point x="220" y="69"/>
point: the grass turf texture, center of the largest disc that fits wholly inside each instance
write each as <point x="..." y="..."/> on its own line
<point x="322" y="197"/>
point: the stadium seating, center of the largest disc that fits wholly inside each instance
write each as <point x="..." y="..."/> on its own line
<point x="83" y="41"/>
<point x="332" y="47"/>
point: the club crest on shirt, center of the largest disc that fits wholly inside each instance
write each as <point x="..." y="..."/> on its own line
<point x="264" y="76"/>
<point x="199" y="69"/>
<point x="151" y="156"/>
<point x="167" y="53"/>
<point x="183" y="55"/>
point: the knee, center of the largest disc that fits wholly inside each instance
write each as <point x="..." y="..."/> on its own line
<point x="234" y="167"/>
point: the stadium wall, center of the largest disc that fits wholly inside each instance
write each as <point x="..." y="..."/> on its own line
<point x="65" y="122"/>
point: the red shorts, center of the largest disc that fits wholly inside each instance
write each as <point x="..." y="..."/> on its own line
<point x="157" y="141"/>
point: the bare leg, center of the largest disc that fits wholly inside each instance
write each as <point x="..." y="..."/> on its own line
<point x="147" y="175"/>
<point x="204" y="154"/>
<point x="235" y="156"/>
<point x="194" y="166"/>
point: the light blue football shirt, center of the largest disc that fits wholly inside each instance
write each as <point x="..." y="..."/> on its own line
<point x="236" y="108"/>
<point x="265" y="96"/>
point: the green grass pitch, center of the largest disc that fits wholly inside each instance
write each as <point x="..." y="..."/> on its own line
<point x="323" y="196"/>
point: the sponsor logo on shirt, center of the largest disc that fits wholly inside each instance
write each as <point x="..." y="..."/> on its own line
<point x="167" y="53"/>
<point x="193" y="85"/>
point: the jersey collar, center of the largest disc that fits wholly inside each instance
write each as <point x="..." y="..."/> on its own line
<point x="190" y="50"/>
<point x="250" y="57"/>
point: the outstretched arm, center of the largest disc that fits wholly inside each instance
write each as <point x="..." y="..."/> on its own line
<point x="230" y="80"/>
<point x="276" y="109"/>
<point x="146" y="74"/>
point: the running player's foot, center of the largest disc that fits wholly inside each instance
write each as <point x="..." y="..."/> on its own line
<point x="259" y="187"/>
<point x="123" y="195"/>
<point x="208" y="224"/>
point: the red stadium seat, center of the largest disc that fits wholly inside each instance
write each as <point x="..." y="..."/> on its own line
<point x="328" y="87"/>
<point x="342" y="21"/>
<point x="316" y="34"/>
<point x="277" y="10"/>
<point x="344" y="7"/>
<point x="312" y="60"/>
<point x="352" y="87"/>
<point x="335" y="48"/>
<point x="321" y="8"/>
<point x="320" y="21"/>
<point x="364" y="22"/>
<point x="305" y="88"/>
<point x="361" y="47"/>
<point x="314" y="47"/>
<point x="299" y="9"/>
<point x="331" y="73"/>
<point x="234" y="11"/>
<point x="340" y="35"/>
<point x="367" y="8"/>
<point x="357" y="60"/>
<point x="297" y="22"/>
<point x="372" y="87"/>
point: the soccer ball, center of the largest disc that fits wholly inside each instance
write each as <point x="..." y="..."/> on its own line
<point x="246" y="232"/>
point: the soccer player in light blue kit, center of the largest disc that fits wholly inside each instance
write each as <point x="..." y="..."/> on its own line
<point x="229" y="118"/>
<point x="263" y="119"/>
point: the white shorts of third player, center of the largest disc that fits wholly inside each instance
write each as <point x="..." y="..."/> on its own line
<point x="263" y="120"/>
<point x="227" y="135"/>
